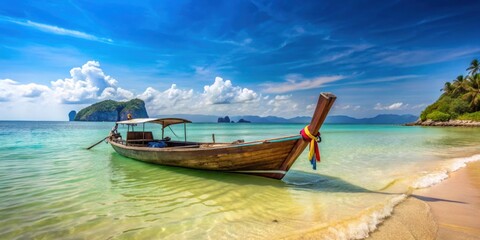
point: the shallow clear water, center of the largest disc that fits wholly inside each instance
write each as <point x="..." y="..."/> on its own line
<point x="51" y="187"/>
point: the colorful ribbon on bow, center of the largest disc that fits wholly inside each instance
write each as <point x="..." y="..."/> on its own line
<point x="314" y="153"/>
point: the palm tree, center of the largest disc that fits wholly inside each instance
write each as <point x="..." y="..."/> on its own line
<point x="474" y="67"/>
<point x="458" y="85"/>
<point x="447" y="88"/>
<point x="472" y="88"/>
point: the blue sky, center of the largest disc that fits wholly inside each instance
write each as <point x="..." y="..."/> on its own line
<point x="232" y="57"/>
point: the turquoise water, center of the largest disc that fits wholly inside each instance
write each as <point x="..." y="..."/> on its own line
<point x="51" y="187"/>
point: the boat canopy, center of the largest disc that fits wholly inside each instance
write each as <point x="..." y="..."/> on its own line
<point x="165" y="122"/>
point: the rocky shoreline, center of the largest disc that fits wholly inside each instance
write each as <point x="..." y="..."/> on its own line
<point x="450" y="123"/>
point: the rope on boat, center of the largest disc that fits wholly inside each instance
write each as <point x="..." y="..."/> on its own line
<point x="173" y="132"/>
<point x="314" y="152"/>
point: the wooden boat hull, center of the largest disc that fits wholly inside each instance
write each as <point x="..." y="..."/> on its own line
<point x="258" y="158"/>
<point x="269" y="158"/>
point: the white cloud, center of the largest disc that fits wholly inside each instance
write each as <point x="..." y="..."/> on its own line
<point x="88" y="83"/>
<point x="56" y="30"/>
<point x="282" y="97"/>
<point x="345" y="107"/>
<point x="335" y="53"/>
<point x="377" y="80"/>
<point x="295" y="82"/>
<point x="221" y="92"/>
<point x="310" y="107"/>
<point x="118" y="94"/>
<point x="394" y="106"/>
<point x="6" y="92"/>
<point x="203" y="71"/>
<point x="348" y="107"/>
<point x="11" y="90"/>
<point x="421" y="106"/>
<point x="421" y="57"/>
<point x="168" y="101"/>
<point x="33" y="90"/>
<point x="282" y="104"/>
<point x="175" y="100"/>
<point x="6" y="89"/>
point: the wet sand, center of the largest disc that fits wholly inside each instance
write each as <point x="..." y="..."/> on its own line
<point x="448" y="210"/>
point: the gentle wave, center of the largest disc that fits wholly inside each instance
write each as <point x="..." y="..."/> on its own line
<point x="462" y="162"/>
<point x="368" y="223"/>
<point x="430" y="179"/>
<point x="363" y="226"/>
<point x="358" y="227"/>
<point x="437" y="177"/>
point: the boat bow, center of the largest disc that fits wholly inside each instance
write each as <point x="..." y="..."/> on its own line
<point x="324" y="104"/>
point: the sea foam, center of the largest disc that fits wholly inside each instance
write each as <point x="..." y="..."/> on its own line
<point x="436" y="177"/>
<point x="367" y="223"/>
<point x="430" y="179"/>
<point x="462" y="162"/>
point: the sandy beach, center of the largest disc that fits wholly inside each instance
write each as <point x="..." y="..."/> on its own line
<point x="448" y="210"/>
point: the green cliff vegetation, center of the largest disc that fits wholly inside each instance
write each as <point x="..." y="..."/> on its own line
<point x="110" y="110"/>
<point x="460" y="99"/>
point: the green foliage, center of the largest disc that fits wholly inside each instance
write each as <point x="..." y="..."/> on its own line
<point x="429" y="109"/>
<point x="423" y="116"/>
<point x="438" y="116"/>
<point x="133" y="104"/>
<point x="109" y="106"/>
<point x="460" y="96"/>
<point x="444" y="104"/>
<point x="458" y="106"/>
<point x="475" y="116"/>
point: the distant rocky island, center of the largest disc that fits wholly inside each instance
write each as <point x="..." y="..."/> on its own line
<point x="226" y="119"/>
<point x="243" y="121"/>
<point x="335" y="119"/>
<point x="459" y="104"/>
<point x="71" y="115"/>
<point x="111" y="111"/>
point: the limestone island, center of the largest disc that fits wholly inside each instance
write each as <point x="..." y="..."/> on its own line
<point x="112" y="111"/>
<point x="226" y="119"/>
<point x="459" y="104"/>
<point x="243" y="121"/>
<point x="71" y="115"/>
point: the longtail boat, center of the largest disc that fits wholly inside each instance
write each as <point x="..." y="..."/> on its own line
<point x="268" y="158"/>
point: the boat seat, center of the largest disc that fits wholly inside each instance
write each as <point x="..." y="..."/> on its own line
<point x="139" y="138"/>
